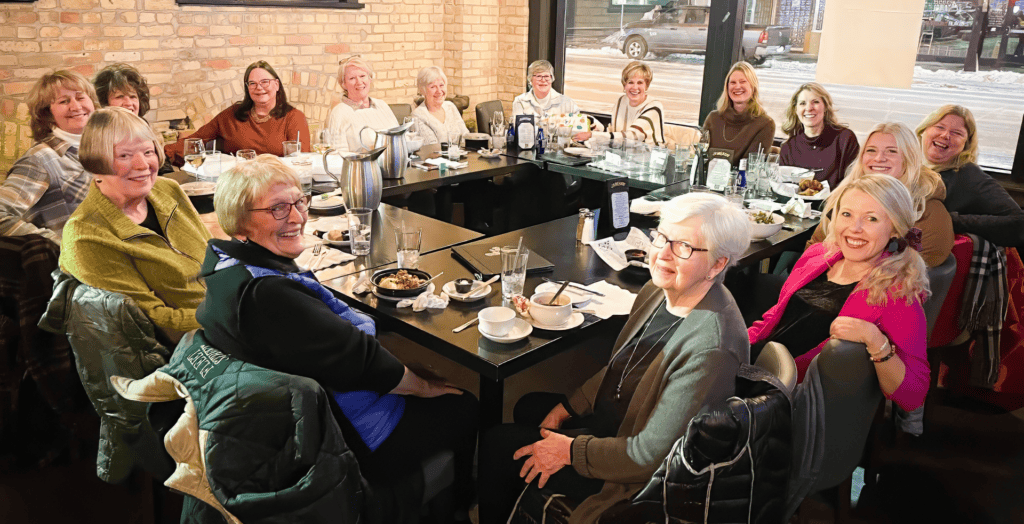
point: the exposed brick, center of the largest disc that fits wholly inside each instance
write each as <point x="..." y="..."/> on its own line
<point x="118" y="4"/>
<point x="102" y="45"/>
<point x="337" y="49"/>
<point x="81" y="31"/>
<point x="193" y="31"/>
<point x="91" y="18"/>
<point x="19" y="46"/>
<point x="17" y="88"/>
<point x="298" y="39"/>
<point x="217" y="64"/>
<point x="120" y="32"/>
<point x="26" y="32"/>
<point x="156" y="30"/>
<point x="27" y="17"/>
<point x="128" y="56"/>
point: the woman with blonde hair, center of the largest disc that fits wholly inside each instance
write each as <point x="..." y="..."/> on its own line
<point x="976" y="202"/>
<point x="440" y="118"/>
<point x="740" y="123"/>
<point x="892" y="149"/>
<point x="865" y="283"/>
<point x="816" y="138"/>
<point x="357" y="109"/>
<point x="637" y="116"/>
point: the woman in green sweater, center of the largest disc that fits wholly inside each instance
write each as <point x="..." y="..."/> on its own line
<point x="740" y="123"/>
<point x="134" y="233"/>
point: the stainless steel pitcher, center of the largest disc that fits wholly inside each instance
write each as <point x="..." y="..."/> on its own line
<point x="360" y="178"/>
<point x="396" y="157"/>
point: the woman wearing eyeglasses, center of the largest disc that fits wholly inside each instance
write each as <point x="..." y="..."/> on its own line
<point x="263" y="120"/>
<point x="262" y="308"/>
<point x="542" y="100"/>
<point x="135" y="233"/>
<point x="679" y="352"/>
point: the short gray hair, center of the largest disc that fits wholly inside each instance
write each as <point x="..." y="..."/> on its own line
<point x="241" y="186"/>
<point x="540" y="66"/>
<point x="107" y="128"/>
<point x="428" y="75"/>
<point x="726" y="228"/>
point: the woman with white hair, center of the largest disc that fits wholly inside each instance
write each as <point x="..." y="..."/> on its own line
<point x="357" y="109"/>
<point x="679" y="352"/>
<point x="892" y="149"/>
<point x="740" y="122"/>
<point x="542" y="99"/>
<point x="440" y="118"/>
<point x="865" y="283"/>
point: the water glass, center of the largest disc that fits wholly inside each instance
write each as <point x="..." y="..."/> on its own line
<point x="291" y="147"/>
<point x="245" y="154"/>
<point x="735" y="195"/>
<point x="408" y="247"/>
<point x="210" y="171"/>
<point x="303" y="166"/>
<point x="454" y="153"/>
<point x="360" y="224"/>
<point x="513" y="270"/>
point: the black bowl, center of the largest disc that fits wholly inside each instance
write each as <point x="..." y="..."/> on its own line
<point x="463" y="285"/>
<point x="399" y="293"/>
<point x="636" y="255"/>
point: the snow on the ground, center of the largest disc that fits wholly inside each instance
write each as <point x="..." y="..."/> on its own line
<point x="993" y="77"/>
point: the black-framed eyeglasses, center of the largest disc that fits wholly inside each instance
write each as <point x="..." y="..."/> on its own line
<point x="282" y="210"/>
<point x="544" y="76"/>
<point x="679" y="248"/>
<point x="265" y="83"/>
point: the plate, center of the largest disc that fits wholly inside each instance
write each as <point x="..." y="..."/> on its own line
<point x="579" y="298"/>
<point x="789" y="190"/>
<point x="520" y="330"/>
<point x="332" y="202"/>
<point x="490" y="153"/>
<point x="335" y="243"/>
<point x="794" y="174"/>
<point x="574" y="322"/>
<point x="584" y="152"/>
<point x="455" y="295"/>
<point x="199" y="188"/>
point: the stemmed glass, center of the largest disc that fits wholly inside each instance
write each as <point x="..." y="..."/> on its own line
<point x="322" y="141"/>
<point x="499" y="117"/>
<point x="194" y="152"/>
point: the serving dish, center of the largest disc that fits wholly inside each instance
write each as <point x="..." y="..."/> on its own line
<point x="398" y="293"/>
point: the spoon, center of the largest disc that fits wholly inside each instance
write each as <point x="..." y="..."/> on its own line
<point x="483" y="284"/>
<point x="559" y="292"/>
<point x="427" y="281"/>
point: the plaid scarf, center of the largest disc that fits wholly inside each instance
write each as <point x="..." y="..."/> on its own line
<point x="983" y="309"/>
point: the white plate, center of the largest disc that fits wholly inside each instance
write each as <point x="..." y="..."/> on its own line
<point x="584" y="152"/>
<point x="574" y="321"/>
<point x="579" y="298"/>
<point x="793" y="173"/>
<point x="455" y="295"/>
<point x="490" y="153"/>
<point x="335" y="243"/>
<point x="333" y="202"/>
<point x="789" y="190"/>
<point x="199" y="188"/>
<point x="520" y="330"/>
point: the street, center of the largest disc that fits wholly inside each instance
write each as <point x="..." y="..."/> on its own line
<point x="592" y="78"/>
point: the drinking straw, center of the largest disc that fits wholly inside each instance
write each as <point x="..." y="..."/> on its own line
<point x="519" y="248"/>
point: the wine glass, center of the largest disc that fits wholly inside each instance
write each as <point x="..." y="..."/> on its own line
<point x="499" y="117"/>
<point x="322" y="141"/>
<point x="194" y="152"/>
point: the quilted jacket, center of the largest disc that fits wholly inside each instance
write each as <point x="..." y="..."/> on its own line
<point x="110" y="335"/>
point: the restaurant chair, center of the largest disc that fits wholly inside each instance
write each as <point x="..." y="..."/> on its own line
<point x="484" y="114"/>
<point x="401" y="111"/>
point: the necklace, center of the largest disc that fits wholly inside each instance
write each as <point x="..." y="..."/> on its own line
<point x="257" y="118"/>
<point x="628" y="368"/>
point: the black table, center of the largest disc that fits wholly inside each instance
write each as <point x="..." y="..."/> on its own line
<point x="479" y="168"/>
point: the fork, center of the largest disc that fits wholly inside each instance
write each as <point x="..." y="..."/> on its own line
<point x="318" y="252"/>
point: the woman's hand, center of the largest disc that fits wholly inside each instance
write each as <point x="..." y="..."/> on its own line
<point x="555" y="418"/>
<point x="857" y="330"/>
<point x="417" y="386"/>
<point x="582" y="136"/>
<point x="547" y="456"/>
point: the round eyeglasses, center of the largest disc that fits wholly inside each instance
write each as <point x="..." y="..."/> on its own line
<point x="679" y="248"/>
<point x="282" y="210"/>
<point x="265" y="83"/>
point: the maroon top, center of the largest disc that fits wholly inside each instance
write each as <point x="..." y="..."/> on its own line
<point x="832" y="151"/>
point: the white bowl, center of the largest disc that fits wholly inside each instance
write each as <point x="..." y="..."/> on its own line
<point x="497" y="321"/>
<point x="762" y="231"/>
<point x="554" y="315"/>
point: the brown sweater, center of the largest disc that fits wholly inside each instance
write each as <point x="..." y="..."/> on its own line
<point x="935" y="224"/>
<point x="741" y="133"/>
<point x="235" y="134"/>
<point x="696" y="370"/>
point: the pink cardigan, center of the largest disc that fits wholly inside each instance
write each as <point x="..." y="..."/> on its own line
<point x="905" y="325"/>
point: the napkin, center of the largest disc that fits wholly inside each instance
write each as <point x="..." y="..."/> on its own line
<point x="426" y="299"/>
<point x="643" y="206"/>
<point x="445" y="161"/>
<point x="614" y="252"/>
<point x="226" y="162"/>
<point x="326" y="224"/>
<point x="797" y="207"/>
<point x="616" y="301"/>
<point x="362" y="284"/>
<point x="331" y="273"/>
<point x="331" y="258"/>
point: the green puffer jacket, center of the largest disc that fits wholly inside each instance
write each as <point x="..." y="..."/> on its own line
<point x="110" y="335"/>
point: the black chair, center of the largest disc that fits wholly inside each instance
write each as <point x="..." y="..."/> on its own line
<point x="401" y="111"/>
<point x="484" y="114"/>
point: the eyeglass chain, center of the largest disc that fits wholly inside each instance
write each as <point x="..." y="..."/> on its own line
<point x="628" y="369"/>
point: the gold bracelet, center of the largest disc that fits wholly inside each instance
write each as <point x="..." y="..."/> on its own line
<point x="890" y="354"/>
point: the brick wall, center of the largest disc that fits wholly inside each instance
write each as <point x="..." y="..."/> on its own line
<point x="194" y="57"/>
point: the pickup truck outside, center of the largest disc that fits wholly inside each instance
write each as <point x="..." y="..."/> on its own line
<point x="684" y="29"/>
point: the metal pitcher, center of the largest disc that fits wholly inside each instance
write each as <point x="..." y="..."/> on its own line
<point x="396" y="157"/>
<point x="360" y="178"/>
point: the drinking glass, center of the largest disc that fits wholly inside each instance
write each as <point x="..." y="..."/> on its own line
<point x="245" y="154"/>
<point x="291" y="147"/>
<point x="360" y="223"/>
<point x="303" y="167"/>
<point x="498" y="117"/>
<point x="322" y="141"/>
<point x="408" y="247"/>
<point x="211" y="166"/>
<point x="194" y="152"/>
<point x="513" y="270"/>
<point x="454" y="139"/>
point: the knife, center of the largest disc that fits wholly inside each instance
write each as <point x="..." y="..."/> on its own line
<point x="581" y="288"/>
<point x="466" y="325"/>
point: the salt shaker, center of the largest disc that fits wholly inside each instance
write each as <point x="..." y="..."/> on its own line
<point x="579" y="225"/>
<point x="588" y="228"/>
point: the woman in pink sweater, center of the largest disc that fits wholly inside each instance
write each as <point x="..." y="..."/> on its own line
<point x="865" y="283"/>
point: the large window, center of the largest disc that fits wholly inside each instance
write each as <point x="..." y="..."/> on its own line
<point x="602" y="37"/>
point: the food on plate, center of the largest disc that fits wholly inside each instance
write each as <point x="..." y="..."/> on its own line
<point x="810" y="187"/>
<point x="463" y="285"/>
<point x="401" y="280"/>
<point x="337" y="235"/>
<point x="521" y="303"/>
<point x="761" y="217"/>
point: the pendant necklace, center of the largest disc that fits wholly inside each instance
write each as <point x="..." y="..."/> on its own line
<point x="625" y="372"/>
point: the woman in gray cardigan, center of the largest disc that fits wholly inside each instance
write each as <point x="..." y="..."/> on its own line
<point x="677" y="354"/>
